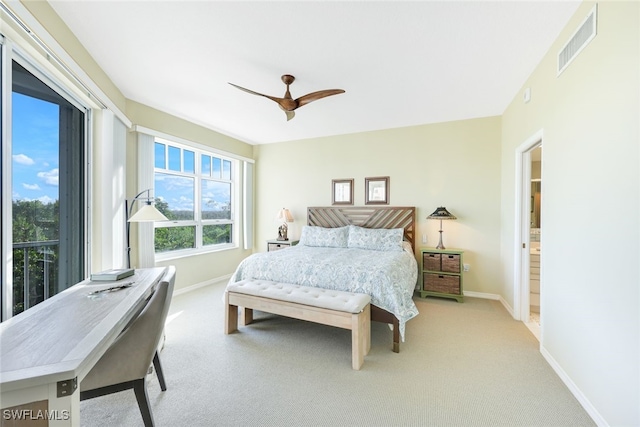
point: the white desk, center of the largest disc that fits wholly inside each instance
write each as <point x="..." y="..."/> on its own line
<point x="46" y="351"/>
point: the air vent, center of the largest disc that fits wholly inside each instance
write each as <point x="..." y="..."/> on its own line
<point x="580" y="39"/>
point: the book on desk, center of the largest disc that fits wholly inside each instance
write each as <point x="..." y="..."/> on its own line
<point x="112" y="275"/>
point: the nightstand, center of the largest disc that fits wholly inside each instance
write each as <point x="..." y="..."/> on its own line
<point x="274" y="245"/>
<point x="441" y="273"/>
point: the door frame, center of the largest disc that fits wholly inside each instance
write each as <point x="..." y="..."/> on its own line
<point x="522" y="221"/>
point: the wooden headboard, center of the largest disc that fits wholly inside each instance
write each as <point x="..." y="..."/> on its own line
<point x="368" y="217"/>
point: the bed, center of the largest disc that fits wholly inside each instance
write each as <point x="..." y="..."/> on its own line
<point x="366" y="250"/>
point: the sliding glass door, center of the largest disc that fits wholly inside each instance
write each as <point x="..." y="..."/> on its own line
<point x="46" y="251"/>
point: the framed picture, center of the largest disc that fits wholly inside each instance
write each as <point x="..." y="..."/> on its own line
<point x="342" y="192"/>
<point x="376" y="191"/>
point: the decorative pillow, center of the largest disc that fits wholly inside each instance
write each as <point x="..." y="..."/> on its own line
<point x="377" y="239"/>
<point x="325" y="237"/>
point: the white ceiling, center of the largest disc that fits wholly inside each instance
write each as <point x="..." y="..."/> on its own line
<point x="400" y="63"/>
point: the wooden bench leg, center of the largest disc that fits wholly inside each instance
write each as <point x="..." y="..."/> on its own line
<point x="360" y="337"/>
<point x="230" y="316"/>
<point x="367" y="332"/>
<point x="246" y="316"/>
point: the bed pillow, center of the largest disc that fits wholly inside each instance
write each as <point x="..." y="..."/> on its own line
<point x="324" y="237"/>
<point x="377" y="239"/>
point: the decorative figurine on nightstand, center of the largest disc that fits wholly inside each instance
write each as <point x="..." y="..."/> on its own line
<point x="283" y="216"/>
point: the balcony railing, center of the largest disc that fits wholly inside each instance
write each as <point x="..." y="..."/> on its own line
<point x="35" y="273"/>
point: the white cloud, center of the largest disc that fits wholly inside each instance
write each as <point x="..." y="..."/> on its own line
<point x="46" y="200"/>
<point x="23" y="159"/>
<point x="31" y="186"/>
<point x="49" y="178"/>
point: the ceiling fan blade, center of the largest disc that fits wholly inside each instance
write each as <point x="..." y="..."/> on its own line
<point x="273" y="98"/>
<point x="287" y="104"/>
<point x="313" y="96"/>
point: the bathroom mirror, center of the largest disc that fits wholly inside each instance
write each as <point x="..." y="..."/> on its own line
<point x="536" y="192"/>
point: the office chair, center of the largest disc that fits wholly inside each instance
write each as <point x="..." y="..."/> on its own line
<point x="126" y="363"/>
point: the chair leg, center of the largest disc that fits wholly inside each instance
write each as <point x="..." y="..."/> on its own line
<point x="159" y="373"/>
<point x="140" y="389"/>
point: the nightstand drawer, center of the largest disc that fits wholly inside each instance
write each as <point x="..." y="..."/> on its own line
<point x="444" y="283"/>
<point x="276" y="246"/>
<point x="431" y="261"/>
<point x="451" y="263"/>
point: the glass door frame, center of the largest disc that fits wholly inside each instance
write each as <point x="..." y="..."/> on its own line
<point x="10" y="52"/>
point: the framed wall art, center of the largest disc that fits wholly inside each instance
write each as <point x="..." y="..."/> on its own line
<point x="376" y="191"/>
<point x="342" y="192"/>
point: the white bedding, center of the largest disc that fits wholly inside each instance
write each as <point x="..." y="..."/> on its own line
<point x="389" y="277"/>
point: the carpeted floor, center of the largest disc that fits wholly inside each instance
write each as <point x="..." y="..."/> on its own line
<point x="467" y="364"/>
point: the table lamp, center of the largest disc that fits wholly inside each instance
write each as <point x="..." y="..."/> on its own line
<point x="441" y="213"/>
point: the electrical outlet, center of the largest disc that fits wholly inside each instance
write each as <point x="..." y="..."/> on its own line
<point x="466" y="267"/>
<point x="424" y="239"/>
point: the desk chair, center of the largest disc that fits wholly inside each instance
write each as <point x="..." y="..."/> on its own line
<point x="126" y="363"/>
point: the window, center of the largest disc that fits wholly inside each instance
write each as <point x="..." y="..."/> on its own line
<point x="194" y="189"/>
<point x="46" y="249"/>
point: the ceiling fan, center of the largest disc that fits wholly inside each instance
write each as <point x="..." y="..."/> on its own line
<point x="288" y="104"/>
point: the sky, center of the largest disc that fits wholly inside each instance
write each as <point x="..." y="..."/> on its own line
<point x="34" y="149"/>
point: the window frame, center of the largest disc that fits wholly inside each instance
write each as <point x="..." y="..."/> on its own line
<point x="198" y="222"/>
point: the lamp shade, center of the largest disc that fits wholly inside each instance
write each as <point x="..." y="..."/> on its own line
<point x="284" y="215"/>
<point x="441" y="213"/>
<point x="147" y="213"/>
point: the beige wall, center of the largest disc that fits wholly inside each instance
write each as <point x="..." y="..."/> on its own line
<point x="454" y="164"/>
<point x="590" y="210"/>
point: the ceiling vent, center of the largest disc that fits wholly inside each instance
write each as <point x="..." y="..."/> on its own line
<point x="580" y="39"/>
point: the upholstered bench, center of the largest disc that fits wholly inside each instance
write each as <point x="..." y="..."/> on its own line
<point x="345" y="310"/>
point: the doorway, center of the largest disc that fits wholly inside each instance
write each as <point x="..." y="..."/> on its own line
<point x="534" y="241"/>
<point x="527" y="289"/>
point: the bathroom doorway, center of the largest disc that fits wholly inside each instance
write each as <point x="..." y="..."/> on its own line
<point x="534" y="239"/>
<point x="528" y="236"/>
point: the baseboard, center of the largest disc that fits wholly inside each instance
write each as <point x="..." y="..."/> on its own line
<point x="573" y="388"/>
<point x="483" y="295"/>
<point x="201" y="285"/>
<point x="495" y="297"/>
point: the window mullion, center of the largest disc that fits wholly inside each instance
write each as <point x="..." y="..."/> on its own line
<point x="197" y="202"/>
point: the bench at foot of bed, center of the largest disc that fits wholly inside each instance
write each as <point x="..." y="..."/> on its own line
<point x="345" y="310"/>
